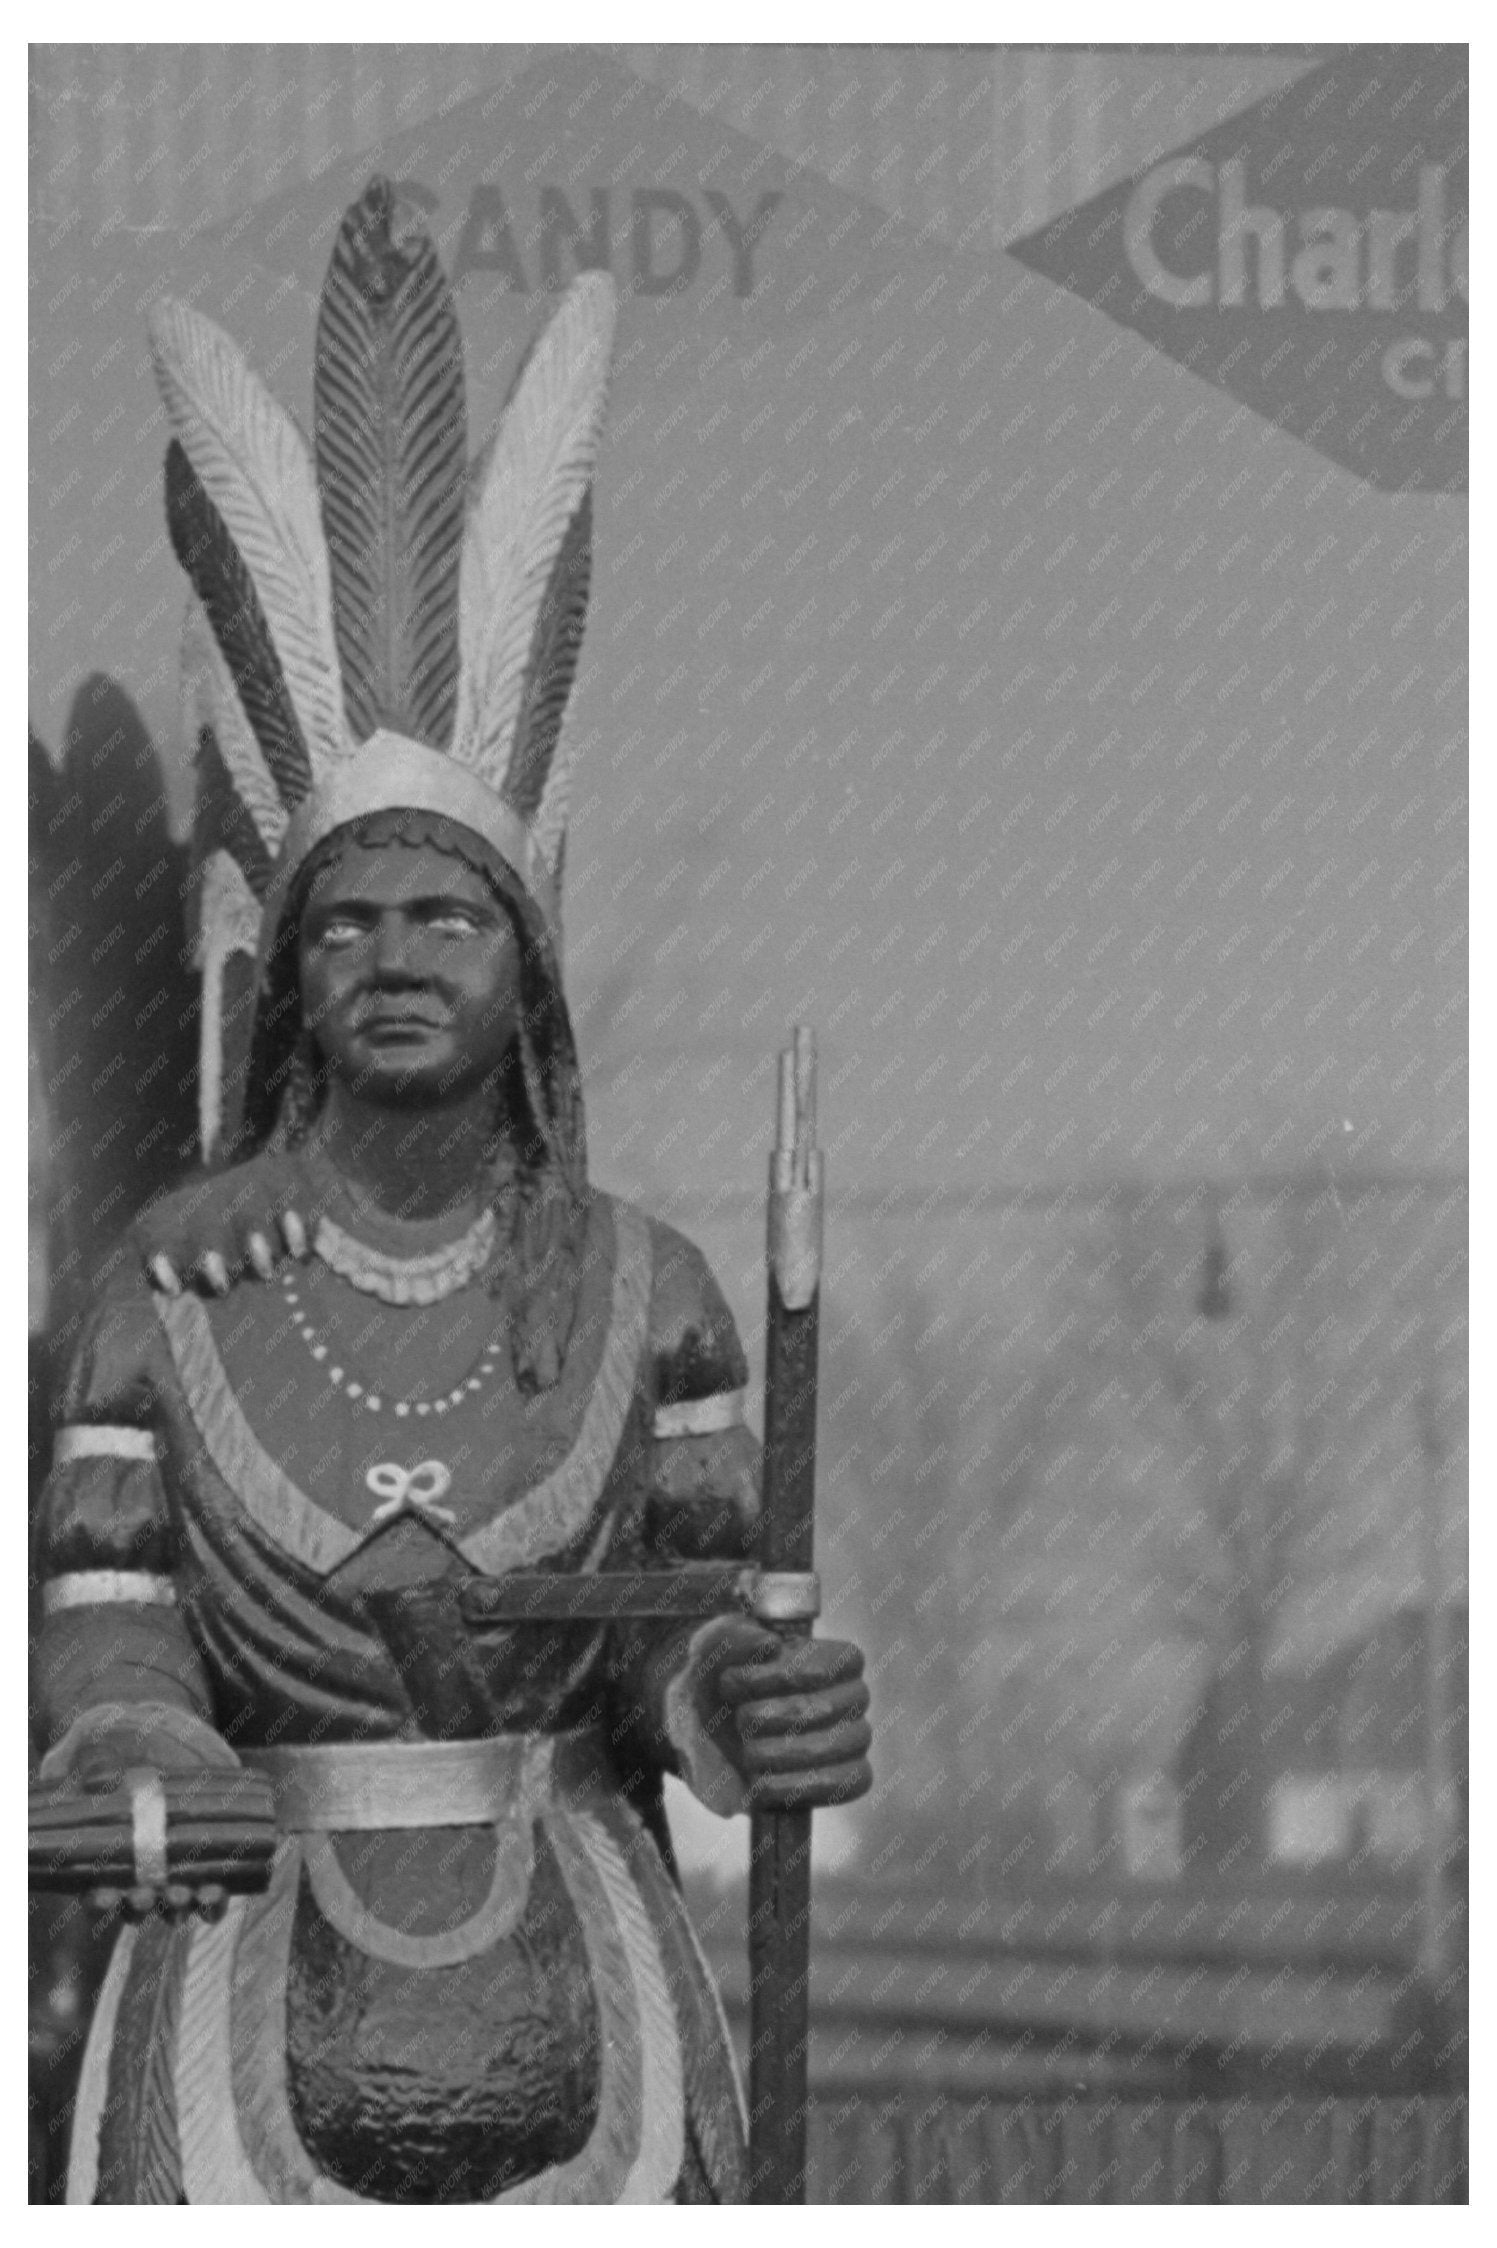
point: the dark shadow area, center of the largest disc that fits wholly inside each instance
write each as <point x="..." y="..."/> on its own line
<point x="113" y="1077"/>
<point x="113" y="999"/>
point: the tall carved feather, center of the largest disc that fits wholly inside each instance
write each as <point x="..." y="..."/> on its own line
<point x="140" y="2156"/>
<point x="253" y="465"/>
<point x="549" y="826"/>
<point x="222" y="820"/>
<point x="391" y="436"/>
<point x="210" y="701"/>
<point x="228" y="925"/>
<point x="160" y="2180"/>
<point x="206" y="550"/>
<point x="532" y="492"/>
<point x="239" y="818"/>
<point x="555" y="645"/>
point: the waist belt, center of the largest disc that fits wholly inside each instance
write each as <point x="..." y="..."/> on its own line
<point x="379" y="1785"/>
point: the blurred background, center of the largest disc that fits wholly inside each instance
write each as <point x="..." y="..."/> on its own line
<point x="1028" y="642"/>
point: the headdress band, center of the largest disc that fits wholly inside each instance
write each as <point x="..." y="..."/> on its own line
<point x="392" y="773"/>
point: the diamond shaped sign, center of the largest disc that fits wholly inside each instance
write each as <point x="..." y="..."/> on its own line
<point x="1309" y="257"/>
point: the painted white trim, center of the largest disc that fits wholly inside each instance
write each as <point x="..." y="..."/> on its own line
<point x="88" y="1588"/>
<point x="701" y="1416"/>
<point x="101" y="1441"/>
<point x="93" y="2083"/>
<point x="148" y="1826"/>
<point x="662" y="2124"/>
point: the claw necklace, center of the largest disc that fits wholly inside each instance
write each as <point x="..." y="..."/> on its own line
<point x="361" y="1393"/>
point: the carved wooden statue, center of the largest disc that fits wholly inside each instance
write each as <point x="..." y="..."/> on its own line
<point x="418" y="1352"/>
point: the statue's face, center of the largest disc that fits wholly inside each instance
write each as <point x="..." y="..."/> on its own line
<point x="410" y="974"/>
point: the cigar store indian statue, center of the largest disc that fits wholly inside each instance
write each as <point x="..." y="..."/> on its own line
<point x="427" y="1352"/>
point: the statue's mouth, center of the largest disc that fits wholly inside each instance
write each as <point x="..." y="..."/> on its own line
<point x="388" y="1027"/>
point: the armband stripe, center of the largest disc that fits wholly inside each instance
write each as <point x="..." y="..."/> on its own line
<point x="88" y="1588"/>
<point x="701" y="1416"/>
<point x="105" y="1441"/>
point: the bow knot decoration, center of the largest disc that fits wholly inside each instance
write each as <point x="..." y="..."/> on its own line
<point x="418" y="1488"/>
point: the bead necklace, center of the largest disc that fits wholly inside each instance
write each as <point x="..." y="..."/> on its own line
<point x="361" y="1393"/>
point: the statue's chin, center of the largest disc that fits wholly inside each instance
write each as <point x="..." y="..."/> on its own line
<point x="420" y="1073"/>
<point x="400" y="1067"/>
<point x="413" y="1089"/>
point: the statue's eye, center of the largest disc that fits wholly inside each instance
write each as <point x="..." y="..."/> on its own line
<point x="340" y="929"/>
<point x="455" y="921"/>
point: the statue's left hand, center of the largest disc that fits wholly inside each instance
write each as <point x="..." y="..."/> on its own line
<point x="792" y="1717"/>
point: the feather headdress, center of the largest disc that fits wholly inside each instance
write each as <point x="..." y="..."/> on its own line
<point x="376" y="623"/>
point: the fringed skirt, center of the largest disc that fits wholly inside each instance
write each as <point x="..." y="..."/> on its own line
<point x="513" y="2012"/>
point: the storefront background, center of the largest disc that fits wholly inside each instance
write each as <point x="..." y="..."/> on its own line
<point x="1052" y="691"/>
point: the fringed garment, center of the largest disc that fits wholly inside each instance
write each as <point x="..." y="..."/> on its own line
<point x="471" y="1977"/>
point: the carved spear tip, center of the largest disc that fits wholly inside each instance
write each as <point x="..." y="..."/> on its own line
<point x="785" y="1129"/>
<point x="805" y="1092"/>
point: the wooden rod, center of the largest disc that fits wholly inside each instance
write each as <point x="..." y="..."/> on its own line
<point x="780" y="1841"/>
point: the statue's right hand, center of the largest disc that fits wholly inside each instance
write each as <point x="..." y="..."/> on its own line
<point x="177" y="1901"/>
<point x="102" y="1768"/>
<point x="228" y="1226"/>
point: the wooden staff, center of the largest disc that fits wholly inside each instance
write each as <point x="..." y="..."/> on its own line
<point x="780" y="1841"/>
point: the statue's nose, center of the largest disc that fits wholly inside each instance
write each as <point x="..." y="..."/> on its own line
<point x="392" y="948"/>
